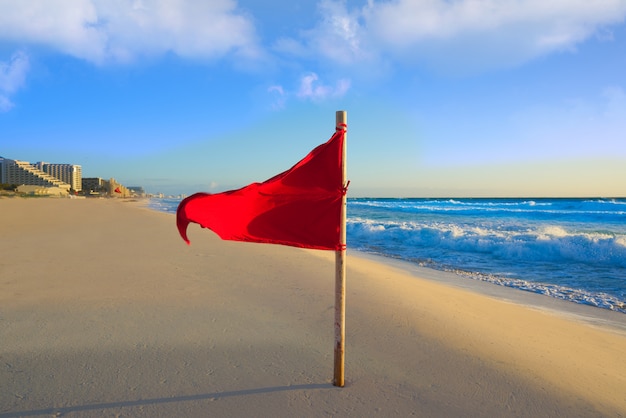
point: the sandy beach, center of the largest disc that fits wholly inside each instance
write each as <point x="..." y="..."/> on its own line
<point x="105" y="311"/>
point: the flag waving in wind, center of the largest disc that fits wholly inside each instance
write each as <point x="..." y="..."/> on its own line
<point x="300" y="207"/>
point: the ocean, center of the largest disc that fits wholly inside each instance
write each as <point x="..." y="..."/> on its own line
<point x="571" y="249"/>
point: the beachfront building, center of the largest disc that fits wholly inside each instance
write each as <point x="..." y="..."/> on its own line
<point x="71" y="174"/>
<point x="95" y="186"/>
<point x="137" y="191"/>
<point x="117" y="189"/>
<point x="24" y="173"/>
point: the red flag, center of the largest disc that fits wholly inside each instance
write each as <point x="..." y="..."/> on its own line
<point x="117" y="190"/>
<point x="300" y="207"/>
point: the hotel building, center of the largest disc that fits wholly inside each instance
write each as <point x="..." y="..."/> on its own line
<point x="71" y="174"/>
<point x="64" y="176"/>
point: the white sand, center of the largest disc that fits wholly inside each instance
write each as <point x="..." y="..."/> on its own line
<point x="104" y="311"/>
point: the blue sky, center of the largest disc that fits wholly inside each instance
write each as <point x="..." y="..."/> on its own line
<point x="444" y="98"/>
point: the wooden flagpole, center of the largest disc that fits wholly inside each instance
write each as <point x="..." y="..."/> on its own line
<point x="341" y="119"/>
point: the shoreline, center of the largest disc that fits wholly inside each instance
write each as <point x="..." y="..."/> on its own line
<point x="105" y="310"/>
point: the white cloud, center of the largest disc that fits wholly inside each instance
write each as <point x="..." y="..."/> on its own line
<point x="339" y="35"/>
<point x="119" y="30"/>
<point x="13" y="73"/>
<point x="462" y="34"/>
<point x="309" y="88"/>
<point x="546" y="25"/>
<point x="312" y="89"/>
<point x="489" y="33"/>
<point x="279" y="95"/>
<point x="277" y="89"/>
<point x="12" y="76"/>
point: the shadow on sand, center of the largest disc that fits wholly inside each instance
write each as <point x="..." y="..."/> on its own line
<point x="157" y="401"/>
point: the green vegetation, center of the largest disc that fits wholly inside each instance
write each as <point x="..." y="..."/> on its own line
<point x="9" y="187"/>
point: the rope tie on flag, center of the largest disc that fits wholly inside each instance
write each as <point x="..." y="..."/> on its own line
<point x="344" y="189"/>
<point x="342" y="127"/>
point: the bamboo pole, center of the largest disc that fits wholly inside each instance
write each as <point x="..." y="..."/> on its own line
<point x="341" y="119"/>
